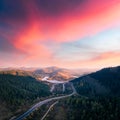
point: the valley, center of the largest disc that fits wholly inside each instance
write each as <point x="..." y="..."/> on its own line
<point x="59" y="59"/>
<point x="39" y="104"/>
<point x="86" y="97"/>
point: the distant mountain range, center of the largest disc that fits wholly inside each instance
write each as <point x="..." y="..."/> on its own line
<point x="55" y="73"/>
<point x="52" y="73"/>
<point x="98" y="92"/>
<point x="103" y="82"/>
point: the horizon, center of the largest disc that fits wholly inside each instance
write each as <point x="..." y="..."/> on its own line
<point x="45" y="67"/>
<point x="73" y="69"/>
<point x="67" y="34"/>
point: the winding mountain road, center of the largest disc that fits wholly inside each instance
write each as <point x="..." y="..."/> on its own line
<point x="49" y="110"/>
<point x="39" y="104"/>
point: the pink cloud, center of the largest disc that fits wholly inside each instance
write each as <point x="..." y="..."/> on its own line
<point x="38" y="28"/>
<point x="105" y="59"/>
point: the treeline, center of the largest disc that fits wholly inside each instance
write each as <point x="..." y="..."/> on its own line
<point x="104" y="82"/>
<point x="77" y="108"/>
<point x="110" y="78"/>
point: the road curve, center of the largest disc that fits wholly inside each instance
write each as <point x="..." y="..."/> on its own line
<point x="27" y="113"/>
<point x="49" y="110"/>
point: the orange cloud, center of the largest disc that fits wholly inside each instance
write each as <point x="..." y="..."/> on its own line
<point x="101" y="60"/>
<point x="65" y="27"/>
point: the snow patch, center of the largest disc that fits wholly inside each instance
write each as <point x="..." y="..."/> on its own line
<point x="45" y="78"/>
<point x="53" y="81"/>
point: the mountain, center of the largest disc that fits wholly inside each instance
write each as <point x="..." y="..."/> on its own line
<point x="17" y="72"/>
<point x="55" y="73"/>
<point x="19" y="68"/>
<point x="98" y="98"/>
<point x="102" y="82"/>
<point x="51" y="73"/>
<point x="17" y="93"/>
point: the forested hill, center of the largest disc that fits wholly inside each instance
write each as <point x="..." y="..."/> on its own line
<point x="16" y="92"/>
<point x="102" y="89"/>
<point x="103" y="82"/>
<point x="16" y="89"/>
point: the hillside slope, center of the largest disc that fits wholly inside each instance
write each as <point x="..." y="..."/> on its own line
<point x="53" y="73"/>
<point x="16" y="92"/>
<point x="103" y="82"/>
<point x="102" y="89"/>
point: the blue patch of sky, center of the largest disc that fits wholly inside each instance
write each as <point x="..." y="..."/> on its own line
<point x="88" y="47"/>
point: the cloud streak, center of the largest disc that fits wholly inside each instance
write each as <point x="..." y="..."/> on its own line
<point x="26" y="26"/>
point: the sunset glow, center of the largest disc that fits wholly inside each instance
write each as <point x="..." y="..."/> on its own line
<point x="63" y="33"/>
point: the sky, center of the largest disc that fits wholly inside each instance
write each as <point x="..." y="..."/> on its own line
<point x="63" y="33"/>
